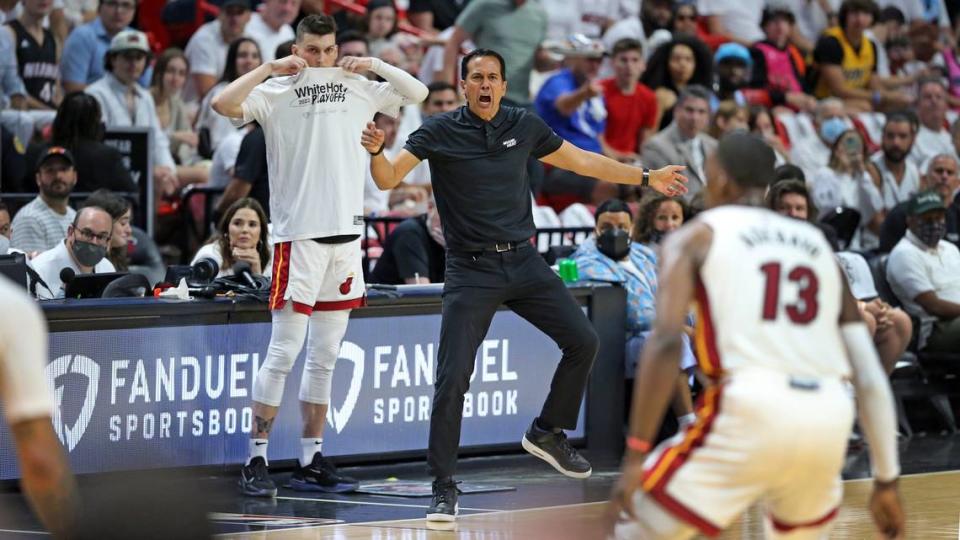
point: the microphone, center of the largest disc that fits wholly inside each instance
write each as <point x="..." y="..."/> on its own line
<point x="67" y="274"/>
<point x="242" y="269"/>
<point x="204" y="270"/>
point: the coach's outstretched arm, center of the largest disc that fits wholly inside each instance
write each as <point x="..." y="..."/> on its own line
<point x="877" y="417"/>
<point x="386" y="174"/>
<point x="229" y="102"/>
<point x="405" y="84"/>
<point x="667" y="180"/>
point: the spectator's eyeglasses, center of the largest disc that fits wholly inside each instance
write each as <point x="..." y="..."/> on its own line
<point x="90" y="236"/>
<point x="122" y="6"/>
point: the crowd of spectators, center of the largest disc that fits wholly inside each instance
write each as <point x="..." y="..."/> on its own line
<point x="859" y="99"/>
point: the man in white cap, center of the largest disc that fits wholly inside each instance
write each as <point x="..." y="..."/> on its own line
<point x="124" y="103"/>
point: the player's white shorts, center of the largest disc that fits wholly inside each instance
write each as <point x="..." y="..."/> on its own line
<point x="759" y="436"/>
<point x="315" y="276"/>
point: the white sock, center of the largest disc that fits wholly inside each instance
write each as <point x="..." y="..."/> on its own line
<point x="310" y="446"/>
<point x="686" y="420"/>
<point x="258" y="447"/>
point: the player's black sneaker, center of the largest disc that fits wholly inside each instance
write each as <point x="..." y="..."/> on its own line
<point x="321" y="475"/>
<point x="255" y="480"/>
<point x="554" y="448"/>
<point x="444" y="505"/>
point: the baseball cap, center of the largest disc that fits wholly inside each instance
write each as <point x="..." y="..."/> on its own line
<point x="239" y="3"/>
<point x="579" y="46"/>
<point x="733" y="51"/>
<point x="130" y="40"/>
<point x="52" y="152"/>
<point x="924" y="202"/>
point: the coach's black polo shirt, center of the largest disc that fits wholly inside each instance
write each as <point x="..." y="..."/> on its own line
<point x="479" y="173"/>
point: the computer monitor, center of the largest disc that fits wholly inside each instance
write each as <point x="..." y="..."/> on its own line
<point x="90" y="285"/>
<point x="14" y="267"/>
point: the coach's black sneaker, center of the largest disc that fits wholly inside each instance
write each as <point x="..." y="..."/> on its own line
<point x="255" y="481"/>
<point x="554" y="448"/>
<point x="444" y="505"/>
<point x="321" y="475"/>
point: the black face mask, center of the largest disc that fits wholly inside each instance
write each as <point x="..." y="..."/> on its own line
<point x="614" y="243"/>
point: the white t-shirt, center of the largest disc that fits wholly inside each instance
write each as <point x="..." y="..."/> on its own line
<point x="219" y="127"/>
<point x="225" y="159"/>
<point x="207" y="53"/>
<point x="566" y="17"/>
<point x="914" y="268"/>
<point x="312" y="122"/>
<point x="810" y="154"/>
<point x="49" y="264"/>
<point x="267" y="38"/>
<point x="811" y="19"/>
<point x="740" y="17"/>
<point x="24" y="391"/>
<point x="859" y="277"/>
<point x="930" y="143"/>
<point x="212" y="251"/>
<point x="893" y="193"/>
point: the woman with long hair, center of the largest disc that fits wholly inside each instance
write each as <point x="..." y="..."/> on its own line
<point x="121" y="211"/>
<point x="241" y="236"/>
<point x="169" y="78"/>
<point x="675" y="65"/>
<point x="658" y="216"/>
<point x="243" y="56"/>
<point x="78" y="127"/>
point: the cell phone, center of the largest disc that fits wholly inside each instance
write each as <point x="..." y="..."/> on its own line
<point x="852" y="145"/>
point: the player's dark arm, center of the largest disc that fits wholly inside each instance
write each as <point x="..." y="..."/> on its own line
<point x="45" y="476"/>
<point x="683" y="253"/>
<point x="667" y="180"/>
<point x="229" y="102"/>
<point x="936" y="306"/>
<point x="236" y="190"/>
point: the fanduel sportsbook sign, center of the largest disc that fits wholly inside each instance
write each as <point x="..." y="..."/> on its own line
<point x="179" y="396"/>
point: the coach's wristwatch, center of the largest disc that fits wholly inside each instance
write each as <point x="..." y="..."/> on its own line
<point x="646" y="177"/>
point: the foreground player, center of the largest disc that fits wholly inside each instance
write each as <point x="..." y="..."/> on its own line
<point x="478" y="156"/>
<point x="312" y="121"/>
<point x="773" y="426"/>
<point x="28" y="405"/>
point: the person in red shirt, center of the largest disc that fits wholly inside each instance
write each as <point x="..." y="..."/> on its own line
<point x="632" y="113"/>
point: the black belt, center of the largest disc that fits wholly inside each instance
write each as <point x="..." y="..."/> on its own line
<point x="496" y="247"/>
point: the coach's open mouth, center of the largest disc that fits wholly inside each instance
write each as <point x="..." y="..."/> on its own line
<point x="486" y="100"/>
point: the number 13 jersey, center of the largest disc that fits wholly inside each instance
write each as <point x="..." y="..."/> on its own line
<point x="768" y="296"/>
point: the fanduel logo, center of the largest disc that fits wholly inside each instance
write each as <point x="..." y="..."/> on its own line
<point x="81" y="365"/>
<point x="353" y="353"/>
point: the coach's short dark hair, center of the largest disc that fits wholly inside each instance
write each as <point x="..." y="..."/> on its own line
<point x="477" y="53"/>
<point x="863" y="6"/>
<point x="626" y="44"/>
<point x="318" y="25"/>
<point x="747" y="159"/>
<point x="693" y="91"/>
<point x="614" y="206"/>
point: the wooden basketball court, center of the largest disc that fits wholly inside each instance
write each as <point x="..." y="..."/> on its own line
<point x="932" y="501"/>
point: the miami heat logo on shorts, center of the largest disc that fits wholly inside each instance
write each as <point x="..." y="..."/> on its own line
<point x="346" y="285"/>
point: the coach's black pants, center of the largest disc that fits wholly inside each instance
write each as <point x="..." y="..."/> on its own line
<point x="474" y="287"/>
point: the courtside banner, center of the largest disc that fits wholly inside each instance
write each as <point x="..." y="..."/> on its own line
<point x="181" y="396"/>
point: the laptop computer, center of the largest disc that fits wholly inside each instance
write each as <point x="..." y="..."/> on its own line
<point x="14" y="267"/>
<point x="90" y="285"/>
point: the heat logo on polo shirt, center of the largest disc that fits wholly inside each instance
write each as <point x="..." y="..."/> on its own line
<point x="331" y="92"/>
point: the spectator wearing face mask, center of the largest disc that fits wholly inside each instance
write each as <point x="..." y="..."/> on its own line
<point x="84" y="251"/>
<point x="612" y="257"/>
<point x="924" y="273"/>
<point x="811" y="151"/>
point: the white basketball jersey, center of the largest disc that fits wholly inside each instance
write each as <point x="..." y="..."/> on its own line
<point x="768" y="296"/>
<point x="312" y="123"/>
